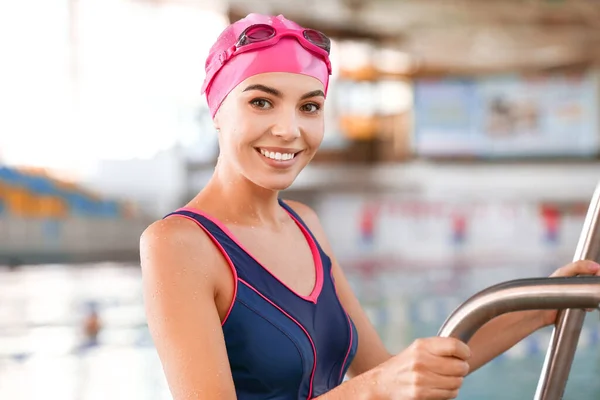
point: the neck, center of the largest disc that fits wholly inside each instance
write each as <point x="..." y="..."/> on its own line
<point x="240" y="199"/>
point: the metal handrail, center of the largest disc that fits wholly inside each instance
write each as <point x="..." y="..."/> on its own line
<point x="563" y="343"/>
<point x="520" y="295"/>
<point x="569" y="295"/>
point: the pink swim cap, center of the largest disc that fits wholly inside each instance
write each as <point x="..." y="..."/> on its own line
<point x="290" y="48"/>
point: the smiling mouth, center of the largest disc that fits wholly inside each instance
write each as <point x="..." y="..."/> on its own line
<point x="277" y="156"/>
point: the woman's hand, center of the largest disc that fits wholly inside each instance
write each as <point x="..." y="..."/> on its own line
<point x="583" y="267"/>
<point x="429" y="369"/>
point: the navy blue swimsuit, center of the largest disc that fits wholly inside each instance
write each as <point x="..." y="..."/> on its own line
<point x="281" y="345"/>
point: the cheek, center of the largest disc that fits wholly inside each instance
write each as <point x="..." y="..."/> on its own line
<point x="315" y="132"/>
<point x="253" y="126"/>
<point x="246" y="133"/>
<point x="239" y="127"/>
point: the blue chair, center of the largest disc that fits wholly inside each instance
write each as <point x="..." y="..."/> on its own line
<point x="9" y="175"/>
<point x="40" y="185"/>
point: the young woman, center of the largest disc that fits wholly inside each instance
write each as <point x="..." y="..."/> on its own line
<point x="243" y="295"/>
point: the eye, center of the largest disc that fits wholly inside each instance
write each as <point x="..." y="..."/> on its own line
<point x="262" y="104"/>
<point x="310" y="108"/>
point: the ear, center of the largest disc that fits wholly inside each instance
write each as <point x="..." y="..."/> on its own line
<point x="216" y="124"/>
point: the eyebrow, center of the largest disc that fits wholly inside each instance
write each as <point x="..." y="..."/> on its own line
<point x="277" y="93"/>
<point x="314" y="93"/>
<point x="265" y="89"/>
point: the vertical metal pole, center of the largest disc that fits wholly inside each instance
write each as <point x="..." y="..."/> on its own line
<point x="565" y="336"/>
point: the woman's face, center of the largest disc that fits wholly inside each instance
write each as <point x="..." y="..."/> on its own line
<point x="271" y="126"/>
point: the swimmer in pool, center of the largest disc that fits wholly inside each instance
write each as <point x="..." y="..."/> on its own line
<point x="244" y="297"/>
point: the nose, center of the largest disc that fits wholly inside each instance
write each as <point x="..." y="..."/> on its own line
<point x="287" y="126"/>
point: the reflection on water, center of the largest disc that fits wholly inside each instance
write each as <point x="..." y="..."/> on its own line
<point x="48" y="347"/>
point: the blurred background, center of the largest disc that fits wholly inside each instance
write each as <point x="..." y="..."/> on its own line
<point x="461" y="150"/>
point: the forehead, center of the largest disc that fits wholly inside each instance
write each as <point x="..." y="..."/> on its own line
<point x="285" y="82"/>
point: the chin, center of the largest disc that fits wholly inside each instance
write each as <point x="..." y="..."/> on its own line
<point x="275" y="183"/>
<point x="281" y="187"/>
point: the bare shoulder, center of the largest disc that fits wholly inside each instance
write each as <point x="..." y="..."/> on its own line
<point x="311" y="219"/>
<point x="176" y="247"/>
<point x="171" y="231"/>
<point x="308" y="215"/>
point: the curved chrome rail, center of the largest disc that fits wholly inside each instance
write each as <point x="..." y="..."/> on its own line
<point x="519" y="295"/>
<point x="570" y="295"/>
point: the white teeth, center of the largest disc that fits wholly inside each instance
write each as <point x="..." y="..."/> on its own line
<point x="277" y="156"/>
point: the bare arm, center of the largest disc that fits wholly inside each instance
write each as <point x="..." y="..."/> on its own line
<point x="178" y="272"/>
<point x="500" y="334"/>
<point x="487" y="344"/>
<point x="357" y="388"/>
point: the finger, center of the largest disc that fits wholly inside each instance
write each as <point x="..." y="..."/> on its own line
<point x="447" y="366"/>
<point x="442" y="382"/>
<point x="582" y="267"/>
<point x="450" y="347"/>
